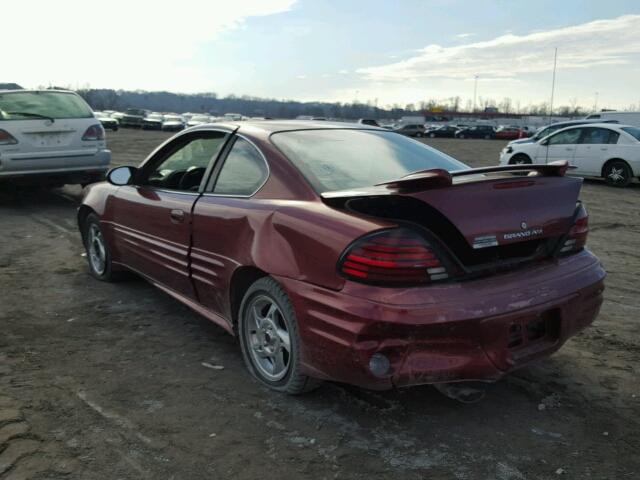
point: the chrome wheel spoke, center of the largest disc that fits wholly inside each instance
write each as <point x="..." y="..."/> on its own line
<point x="285" y="341"/>
<point x="259" y="351"/>
<point x="279" y="364"/>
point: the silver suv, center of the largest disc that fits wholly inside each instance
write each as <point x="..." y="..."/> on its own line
<point x="50" y="136"/>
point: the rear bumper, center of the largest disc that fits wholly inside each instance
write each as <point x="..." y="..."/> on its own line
<point x="93" y="165"/>
<point x="447" y="333"/>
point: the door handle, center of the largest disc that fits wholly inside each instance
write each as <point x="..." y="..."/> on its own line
<point x="177" y="216"/>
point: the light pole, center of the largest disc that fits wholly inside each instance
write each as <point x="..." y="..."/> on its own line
<point x="475" y="91"/>
<point x="553" y="83"/>
<point x="595" y="105"/>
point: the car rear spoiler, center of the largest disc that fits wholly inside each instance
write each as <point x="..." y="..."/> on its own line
<point x="437" y="177"/>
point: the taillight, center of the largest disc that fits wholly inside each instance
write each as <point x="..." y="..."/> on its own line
<point x="6" y="138"/>
<point x="94" y="132"/>
<point x="392" y="257"/>
<point x="577" y="237"/>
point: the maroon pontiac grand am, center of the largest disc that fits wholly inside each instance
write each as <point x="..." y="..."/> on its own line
<point x="352" y="254"/>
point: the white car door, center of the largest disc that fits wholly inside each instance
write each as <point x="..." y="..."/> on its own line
<point x="596" y="146"/>
<point x="559" y="146"/>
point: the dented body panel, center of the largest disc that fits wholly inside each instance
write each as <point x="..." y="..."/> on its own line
<point x="451" y="331"/>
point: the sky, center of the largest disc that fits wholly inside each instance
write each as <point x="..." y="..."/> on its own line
<point x="385" y="52"/>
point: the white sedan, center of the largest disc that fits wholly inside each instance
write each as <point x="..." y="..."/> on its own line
<point x="606" y="150"/>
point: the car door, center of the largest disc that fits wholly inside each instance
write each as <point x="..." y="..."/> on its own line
<point x="224" y="222"/>
<point x="596" y="146"/>
<point x="559" y="146"/>
<point x="153" y="216"/>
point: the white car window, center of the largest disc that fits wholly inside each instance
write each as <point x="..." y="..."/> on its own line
<point x="599" y="136"/>
<point x="568" y="137"/>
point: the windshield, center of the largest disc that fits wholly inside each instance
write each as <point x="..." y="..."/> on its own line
<point x="348" y="159"/>
<point x="633" y="131"/>
<point x="47" y="104"/>
<point x="172" y="119"/>
<point x="154" y="117"/>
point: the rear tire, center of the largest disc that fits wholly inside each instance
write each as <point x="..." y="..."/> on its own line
<point x="268" y="333"/>
<point x="432" y="135"/>
<point x="98" y="252"/>
<point x="461" y="136"/>
<point x="520" y="159"/>
<point x="617" y="173"/>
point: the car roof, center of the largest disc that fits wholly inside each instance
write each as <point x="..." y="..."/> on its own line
<point x="613" y="126"/>
<point x="38" y="91"/>
<point x="273" y="126"/>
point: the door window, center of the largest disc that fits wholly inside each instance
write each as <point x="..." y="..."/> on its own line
<point x="182" y="165"/>
<point x="566" y="138"/>
<point x="599" y="136"/>
<point x="244" y="171"/>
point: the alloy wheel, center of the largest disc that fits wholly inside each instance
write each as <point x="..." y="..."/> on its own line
<point x="97" y="249"/>
<point x="617" y="175"/>
<point x="267" y="337"/>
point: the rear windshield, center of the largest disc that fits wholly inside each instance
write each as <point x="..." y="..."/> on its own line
<point x="633" y="131"/>
<point x="338" y="159"/>
<point x="28" y="105"/>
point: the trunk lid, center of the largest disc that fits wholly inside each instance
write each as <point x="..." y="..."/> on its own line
<point x="482" y="216"/>
<point x="505" y="211"/>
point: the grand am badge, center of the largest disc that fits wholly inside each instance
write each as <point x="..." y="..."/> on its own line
<point x="533" y="232"/>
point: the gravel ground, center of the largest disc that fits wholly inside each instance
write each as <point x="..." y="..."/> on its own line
<point x="106" y="381"/>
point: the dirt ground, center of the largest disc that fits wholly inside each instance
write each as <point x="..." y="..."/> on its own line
<point x="105" y="381"/>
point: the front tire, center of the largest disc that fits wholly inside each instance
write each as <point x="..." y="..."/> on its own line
<point x="98" y="253"/>
<point x="268" y="331"/>
<point x="520" y="159"/>
<point x="617" y="173"/>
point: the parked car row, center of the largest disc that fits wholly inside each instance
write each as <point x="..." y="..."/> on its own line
<point x="148" y="120"/>
<point x="462" y="131"/>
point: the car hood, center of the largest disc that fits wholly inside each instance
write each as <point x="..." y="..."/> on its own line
<point x="522" y="140"/>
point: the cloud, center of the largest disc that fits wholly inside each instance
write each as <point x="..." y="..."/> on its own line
<point x="465" y="35"/>
<point x="122" y="44"/>
<point x="596" y="43"/>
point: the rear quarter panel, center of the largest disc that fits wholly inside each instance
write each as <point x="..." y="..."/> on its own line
<point x="301" y="240"/>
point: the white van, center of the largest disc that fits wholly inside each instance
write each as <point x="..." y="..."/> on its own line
<point x="623" y="118"/>
<point x="50" y="137"/>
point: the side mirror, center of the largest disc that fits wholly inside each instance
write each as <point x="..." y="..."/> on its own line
<point x="121" y="176"/>
<point x="545" y="143"/>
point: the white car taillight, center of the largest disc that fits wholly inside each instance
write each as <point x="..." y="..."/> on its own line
<point x="93" y="133"/>
<point x="6" y="138"/>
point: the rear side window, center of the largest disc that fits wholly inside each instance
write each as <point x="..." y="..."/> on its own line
<point x="599" y="136"/>
<point x="244" y="171"/>
<point x="633" y="131"/>
<point x="30" y="105"/>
